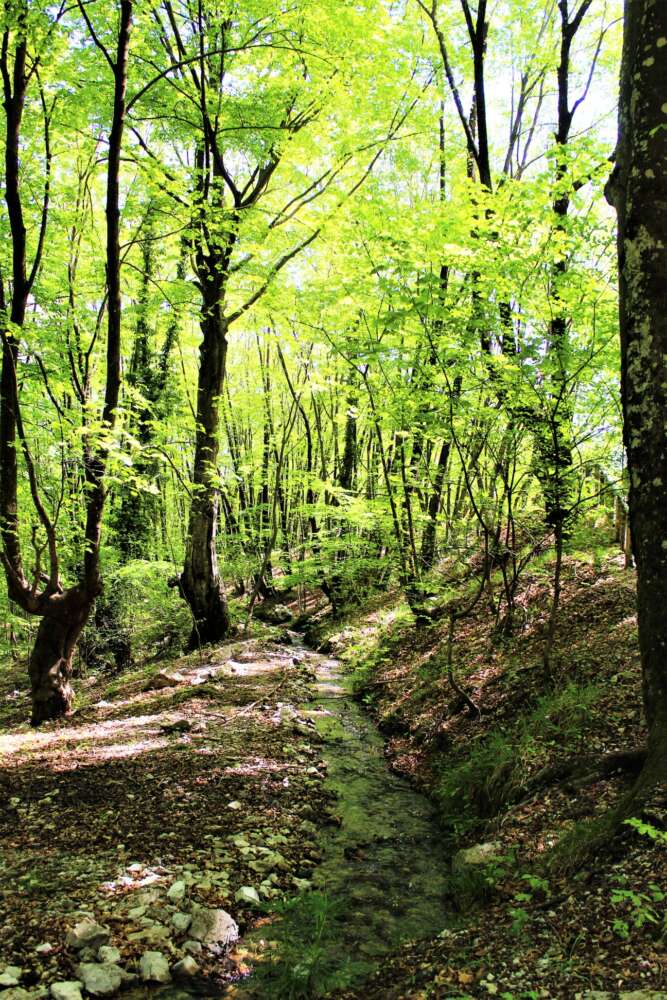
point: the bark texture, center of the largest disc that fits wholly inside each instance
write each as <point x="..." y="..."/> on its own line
<point x="50" y="666"/>
<point x="200" y="580"/>
<point x="638" y="190"/>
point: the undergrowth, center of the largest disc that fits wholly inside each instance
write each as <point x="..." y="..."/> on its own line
<point x="474" y="788"/>
<point x="309" y="957"/>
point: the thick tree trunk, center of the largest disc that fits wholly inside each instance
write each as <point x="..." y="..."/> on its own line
<point x="200" y="581"/>
<point x="638" y="191"/>
<point x="50" y="665"/>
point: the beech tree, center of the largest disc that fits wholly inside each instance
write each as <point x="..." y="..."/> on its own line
<point x="63" y="610"/>
<point x="638" y="191"/>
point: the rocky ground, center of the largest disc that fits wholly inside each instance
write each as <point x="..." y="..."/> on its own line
<point x="142" y="835"/>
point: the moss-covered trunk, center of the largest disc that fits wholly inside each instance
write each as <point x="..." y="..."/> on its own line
<point x="638" y="190"/>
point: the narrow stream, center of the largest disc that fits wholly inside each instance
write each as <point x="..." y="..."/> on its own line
<point x="386" y="860"/>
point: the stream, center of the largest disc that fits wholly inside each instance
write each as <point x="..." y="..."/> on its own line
<point x="385" y="866"/>
<point x="383" y="873"/>
<point x="386" y="858"/>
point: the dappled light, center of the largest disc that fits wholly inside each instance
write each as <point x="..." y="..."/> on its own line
<point x="333" y="509"/>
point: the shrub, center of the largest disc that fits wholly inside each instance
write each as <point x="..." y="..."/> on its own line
<point x="309" y="958"/>
<point x="136" y="615"/>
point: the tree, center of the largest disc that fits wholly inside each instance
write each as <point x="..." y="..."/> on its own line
<point x="638" y="191"/>
<point x="63" y="610"/>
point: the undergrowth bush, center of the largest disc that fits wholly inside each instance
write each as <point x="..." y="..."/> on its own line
<point x="137" y="615"/>
<point x="476" y="787"/>
<point x="309" y="958"/>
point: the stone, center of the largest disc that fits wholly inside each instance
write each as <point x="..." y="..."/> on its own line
<point x="154" y="967"/>
<point x="247" y="894"/>
<point x="277" y="615"/>
<point x="213" y="928"/>
<point x="181" y="921"/>
<point x="108" y="953"/>
<point x="45" y="948"/>
<point x="194" y="947"/>
<point x="136" y="912"/>
<point x="186" y="968"/>
<point x="11" y="975"/>
<point x="18" y="993"/>
<point x="176" y="892"/>
<point x="67" y="990"/>
<point x="87" y="934"/>
<point x="154" y="934"/>
<point x="99" y="980"/>
<point x="471" y="857"/>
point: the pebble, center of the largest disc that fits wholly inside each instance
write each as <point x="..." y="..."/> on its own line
<point x="67" y="990"/>
<point x="11" y="976"/>
<point x="87" y="934"/>
<point x="181" y="921"/>
<point x="186" y="968"/>
<point x="154" y="967"/>
<point x="176" y="892"/>
<point x="99" y="980"/>
<point x="194" y="947"/>
<point x="214" y="928"/>
<point x="108" y="953"/>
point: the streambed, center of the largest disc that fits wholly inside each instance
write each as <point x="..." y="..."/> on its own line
<point x="386" y="859"/>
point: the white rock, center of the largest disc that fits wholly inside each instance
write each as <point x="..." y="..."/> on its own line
<point x="154" y="967"/>
<point x="45" y="948"/>
<point x="247" y="894"/>
<point x="87" y="934"/>
<point x="11" y="975"/>
<point x="164" y="680"/>
<point x="108" y="953"/>
<point x="194" y="947"/>
<point x="99" y="980"/>
<point x="181" y="921"/>
<point x="186" y="968"/>
<point x="471" y="857"/>
<point x="68" y="990"/>
<point x="176" y="892"/>
<point x="214" y="928"/>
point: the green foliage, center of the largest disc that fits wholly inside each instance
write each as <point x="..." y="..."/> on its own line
<point x="648" y="830"/>
<point x="309" y="958"/>
<point x="493" y="768"/>
<point x="643" y="906"/>
<point x="137" y="615"/>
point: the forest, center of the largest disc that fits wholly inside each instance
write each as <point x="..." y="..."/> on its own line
<point x="333" y="499"/>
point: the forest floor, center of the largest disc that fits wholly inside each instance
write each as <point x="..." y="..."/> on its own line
<point x="200" y="774"/>
<point x="216" y="785"/>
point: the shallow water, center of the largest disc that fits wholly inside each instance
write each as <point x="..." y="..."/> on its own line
<point x="386" y="861"/>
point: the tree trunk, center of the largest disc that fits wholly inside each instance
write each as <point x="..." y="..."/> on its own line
<point x="50" y="666"/>
<point x="200" y="581"/>
<point x="638" y="191"/>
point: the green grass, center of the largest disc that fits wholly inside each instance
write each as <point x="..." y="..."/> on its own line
<point x="309" y="958"/>
<point x="476" y="787"/>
